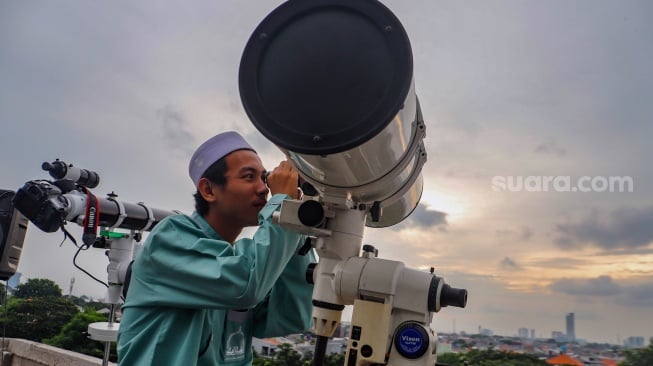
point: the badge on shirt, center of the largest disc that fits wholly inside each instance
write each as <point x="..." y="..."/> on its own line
<point x="234" y="336"/>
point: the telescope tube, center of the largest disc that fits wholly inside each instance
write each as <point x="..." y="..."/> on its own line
<point x="330" y="82"/>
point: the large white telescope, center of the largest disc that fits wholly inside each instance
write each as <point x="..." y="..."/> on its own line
<point x="330" y="82"/>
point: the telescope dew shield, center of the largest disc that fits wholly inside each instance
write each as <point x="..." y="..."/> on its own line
<point x="330" y="82"/>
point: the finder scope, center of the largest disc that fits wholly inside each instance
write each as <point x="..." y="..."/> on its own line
<point x="60" y="170"/>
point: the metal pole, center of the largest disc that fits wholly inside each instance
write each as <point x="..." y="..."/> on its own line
<point x="107" y="345"/>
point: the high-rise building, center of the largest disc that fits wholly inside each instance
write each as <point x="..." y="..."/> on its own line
<point x="571" y="327"/>
<point x="532" y="333"/>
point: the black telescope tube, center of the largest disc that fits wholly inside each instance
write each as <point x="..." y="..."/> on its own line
<point x="136" y="217"/>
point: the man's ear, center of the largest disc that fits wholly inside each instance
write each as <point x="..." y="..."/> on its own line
<point x="208" y="190"/>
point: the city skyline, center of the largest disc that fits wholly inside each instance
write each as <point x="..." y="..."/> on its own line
<point x="527" y="105"/>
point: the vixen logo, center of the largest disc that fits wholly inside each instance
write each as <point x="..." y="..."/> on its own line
<point x="411" y="339"/>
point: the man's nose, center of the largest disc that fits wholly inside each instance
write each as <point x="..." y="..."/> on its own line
<point x="263" y="186"/>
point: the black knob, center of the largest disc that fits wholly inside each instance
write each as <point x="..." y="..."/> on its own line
<point x="308" y="189"/>
<point x="376" y="211"/>
<point x="309" y="272"/>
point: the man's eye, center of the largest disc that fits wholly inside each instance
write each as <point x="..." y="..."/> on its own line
<point x="248" y="176"/>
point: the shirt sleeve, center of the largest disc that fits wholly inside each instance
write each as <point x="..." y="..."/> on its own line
<point x="288" y="308"/>
<point x="181" y="267"/>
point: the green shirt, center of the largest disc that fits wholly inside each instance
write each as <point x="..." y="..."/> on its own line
<point x="194" y="299"/>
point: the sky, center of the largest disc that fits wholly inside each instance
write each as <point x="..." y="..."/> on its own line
<point x="521" y="99"/>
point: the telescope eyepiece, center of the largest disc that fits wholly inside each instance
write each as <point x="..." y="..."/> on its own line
<point x="57" y="169"/>
<point x="442" y="295"/>
<point x="311" y="213"/>
<point x="451" y="296"/>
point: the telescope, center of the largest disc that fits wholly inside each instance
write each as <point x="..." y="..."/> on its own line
<point x="49" y="205"/>
<point x="331" y="84"/>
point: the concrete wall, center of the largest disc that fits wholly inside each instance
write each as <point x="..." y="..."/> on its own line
<point x="20" y="352"/>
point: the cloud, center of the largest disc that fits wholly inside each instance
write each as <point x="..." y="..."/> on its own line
<point x="639" y="295"/>
<point x="509" y="264"/>
<point x="560" y="263"/>
<point x="176" y="130"/>
<point x="524" y="234"/>
<point x="600" y="286"/>
<point x="422" y="217"/>
<point x="550" y="147"/>
<point x="628" y="228"/>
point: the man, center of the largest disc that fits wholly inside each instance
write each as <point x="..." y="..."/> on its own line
<point x="197" y="295"/>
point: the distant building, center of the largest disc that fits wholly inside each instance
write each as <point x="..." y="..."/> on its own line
<point x="486" y="332"/>
<point x="14" y="281"/>
<point x="342" y="330"/>
<point x="522" y="333"/>
<point x="532" y="333"/>
<point x="565" y="360"/>
<point x="559" y="336"/>
<point x="634" y="342"/>
<point x="266" y="347"/>
<point x="571" y="327"/>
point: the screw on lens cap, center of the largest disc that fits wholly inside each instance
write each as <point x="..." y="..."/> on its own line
<point x="411" y="340"/>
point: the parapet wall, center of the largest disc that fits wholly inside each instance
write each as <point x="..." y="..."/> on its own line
<point x="21" y="352"/>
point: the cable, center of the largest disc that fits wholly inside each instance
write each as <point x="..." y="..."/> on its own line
<point x="67" y="235"/>
<point x="79" y="249"/>
<point x="4" y="304"/>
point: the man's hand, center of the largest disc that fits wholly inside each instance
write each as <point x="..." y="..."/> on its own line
<point x="283" y="179"/>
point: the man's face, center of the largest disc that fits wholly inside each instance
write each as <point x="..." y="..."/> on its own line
<point x="245" y="192"/>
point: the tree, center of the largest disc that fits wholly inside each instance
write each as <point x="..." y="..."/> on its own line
<point x="448" y="358"/>
<point x="84" y="302"/>
<point x="334" y="359"/>
<point x="37" y="318"/>
<point x="38" y="287"/>
<point x="73" y="336"/>
<point x="639" y="357"/>
<point x="490" y="358"/>
<point x="286" y="355"/>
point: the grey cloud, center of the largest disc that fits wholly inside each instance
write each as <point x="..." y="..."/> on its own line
<point x="639" y="295"/>
<point x="176" y="130"/>
<point x="550" y="147"/>
<point x="600" y="286"/>
<point x="509" y="264"/>
<point x="636" y="295"/>
<point x="560" y="263"/>
<point x="424" y="218"/>
<point x="630" y="228"/>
